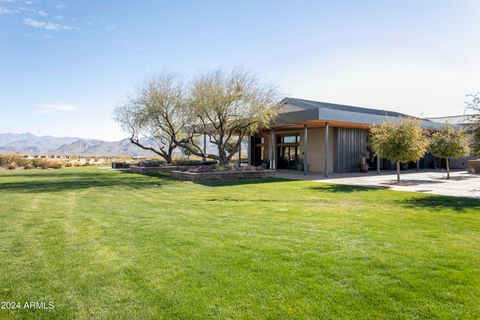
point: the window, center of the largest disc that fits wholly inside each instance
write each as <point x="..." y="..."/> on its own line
<point x="288" y="139"/>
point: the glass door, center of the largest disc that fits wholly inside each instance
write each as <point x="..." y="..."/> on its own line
<point x="288" y="151"/>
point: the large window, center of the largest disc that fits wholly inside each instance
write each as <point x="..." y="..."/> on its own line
<point x="288" y="139"/>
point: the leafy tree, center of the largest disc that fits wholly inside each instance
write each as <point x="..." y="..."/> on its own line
<point x="473" y="105"/>
<point x="156" y="111"/>
<point x="475" y="142"/>
<point x="399" y="141"/>
<point x="449" y="143"/>
<point x="227" y="107"/>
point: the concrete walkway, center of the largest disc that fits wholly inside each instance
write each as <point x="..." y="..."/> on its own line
<point x="461" y="184"/>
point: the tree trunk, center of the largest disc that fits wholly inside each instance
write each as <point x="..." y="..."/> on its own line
<point x="448" y="168"/>
<point x="398" y="171"/>
<point x="166" y="155"/>
<point x="239" y="157"/>
<point x="169" y="157"/>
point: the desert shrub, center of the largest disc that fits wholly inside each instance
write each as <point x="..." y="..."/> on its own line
<point x="199" y="169"/>
<point x="220" y="168"/>
<point x="40" y="163"/>
<point x="55" y="165"/>
<point x="68" y="164"/>
<point x="151" y="163"/>
<point x="4" y="160"/>
<point x="182" y="162"/>
<point x="12" y="166"/>
<point x="7" y="160"/>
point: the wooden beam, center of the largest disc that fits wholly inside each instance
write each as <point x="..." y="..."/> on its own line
<point x="320" y="124"/>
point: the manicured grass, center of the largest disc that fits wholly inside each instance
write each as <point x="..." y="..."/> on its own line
<point x="110" y="245"/>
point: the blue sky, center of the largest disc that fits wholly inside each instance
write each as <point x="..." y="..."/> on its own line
<point x="64" y="64"/>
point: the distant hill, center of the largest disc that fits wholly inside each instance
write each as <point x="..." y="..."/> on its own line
<point x="28" y="143"/>
<point x="32" y="144"/>
<point x="105" y="148"/>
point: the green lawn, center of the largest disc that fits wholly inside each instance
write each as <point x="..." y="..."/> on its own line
<point x="101" y="244"/>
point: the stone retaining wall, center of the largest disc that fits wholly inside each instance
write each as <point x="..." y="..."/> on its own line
<point x="222" y="175"/>
<point x="162" y="169"/>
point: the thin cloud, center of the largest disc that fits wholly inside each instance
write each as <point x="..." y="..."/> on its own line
<point x="42" y="13"/>
<point x="56" y="107"/>
<point x="60" y="6"/>
<point x="24" y="9"/>
<point x="5" y="11"/>
<point x="45" y="25"/>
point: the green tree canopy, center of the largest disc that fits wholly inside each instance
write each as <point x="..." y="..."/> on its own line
<point x="449" y="143"/>
<point x="475" y="142"/>
<point x="399" y="141"/>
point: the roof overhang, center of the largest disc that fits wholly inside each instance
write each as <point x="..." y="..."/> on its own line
<point x="318" y="117"/>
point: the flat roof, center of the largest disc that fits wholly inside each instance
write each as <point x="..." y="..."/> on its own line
<point x="464" y="119"/>
<point x="295" y="110"/>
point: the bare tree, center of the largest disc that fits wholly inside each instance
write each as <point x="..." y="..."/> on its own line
<point x="473" y="105"/>
<point x="156" y="112"/>
<point x="226" y="107"/>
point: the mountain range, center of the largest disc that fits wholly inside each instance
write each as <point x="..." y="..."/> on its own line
<point x="31" y="144"/>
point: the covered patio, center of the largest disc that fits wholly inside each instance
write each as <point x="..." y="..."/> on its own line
<point x="323" y="138"/>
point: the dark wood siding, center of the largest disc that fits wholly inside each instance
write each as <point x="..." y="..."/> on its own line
<point x="349" y="146"/>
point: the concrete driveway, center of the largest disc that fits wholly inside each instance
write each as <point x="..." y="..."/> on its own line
<point x="461" y="184"/>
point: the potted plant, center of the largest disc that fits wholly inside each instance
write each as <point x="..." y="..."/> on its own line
<point x="300" y="165"/>
<point x="364" y="164"/>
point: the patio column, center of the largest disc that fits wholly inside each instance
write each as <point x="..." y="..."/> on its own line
<point x="305" y="140"/>
<point x="325" y="151"/>
<point x="378" y="164"/>
<point x="272" y="150"/>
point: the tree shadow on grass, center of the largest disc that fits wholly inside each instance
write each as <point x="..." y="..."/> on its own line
<point x="56" y="181"/>
<point x="238" y="182"/>
<point x="344" y="188"/>
<point x="435" y="202"/>
<point x="411" y="182"/>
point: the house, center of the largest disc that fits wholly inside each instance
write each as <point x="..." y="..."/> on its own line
<point x="466" y="122"/>
<point x="322" y="137"/>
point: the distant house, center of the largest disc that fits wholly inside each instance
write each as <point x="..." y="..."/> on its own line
<point x="466" y="122"/>
<point x="323" y="137"/>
